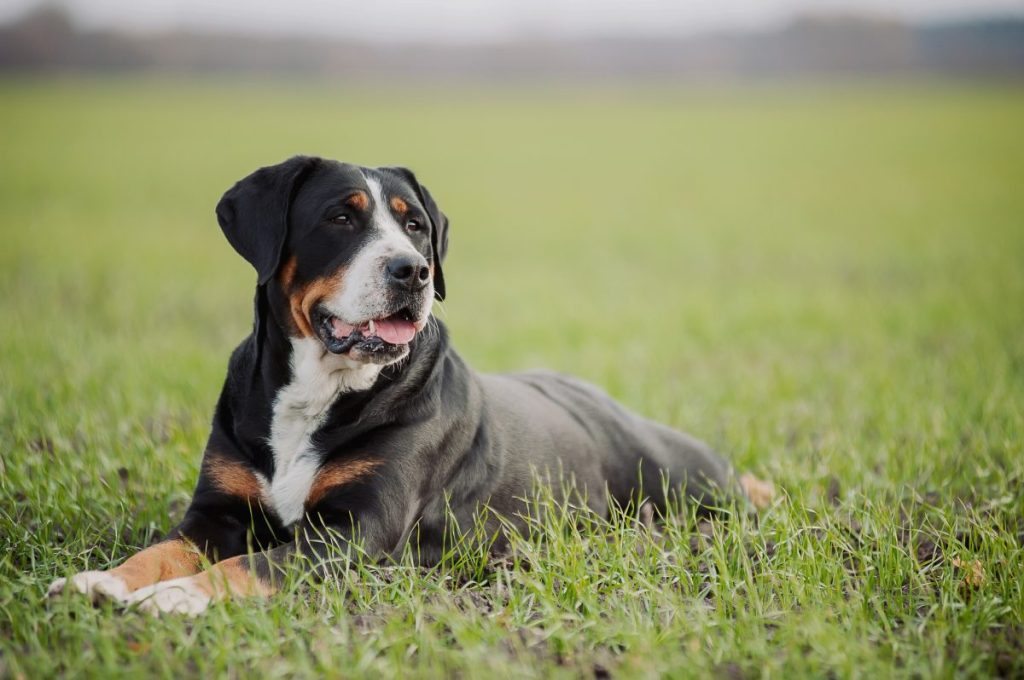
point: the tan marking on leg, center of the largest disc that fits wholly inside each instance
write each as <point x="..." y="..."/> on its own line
<point x="359" y="200"/>
<point x="192" y="595"/>
<point x="160" y="562"/>
<point x="233" y="477"/>
<point x="231" y="578"/>
<point x="399" y="206"/>
<point x="338" y="474"/>
<point x="760" y="492"/>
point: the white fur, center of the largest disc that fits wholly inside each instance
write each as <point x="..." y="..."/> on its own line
<point x="364" y="295"/>
<point x="318" y="377"/>
<point x="98" y="585"/>
<point x="176" y="596"/>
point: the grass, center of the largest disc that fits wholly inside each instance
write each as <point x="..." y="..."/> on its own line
<point x="825" y="283"/>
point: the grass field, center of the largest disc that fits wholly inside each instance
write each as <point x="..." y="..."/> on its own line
<point x="825" y="283"/>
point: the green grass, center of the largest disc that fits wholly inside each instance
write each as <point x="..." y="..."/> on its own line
<point x="825" y="283"/>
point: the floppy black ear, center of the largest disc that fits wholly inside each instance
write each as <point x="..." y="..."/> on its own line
<point x="438" y="229"/>
<point x="253" y="214"/>
<point x="438" y="238"/>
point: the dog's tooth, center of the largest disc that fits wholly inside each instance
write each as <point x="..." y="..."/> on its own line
<point x="373" y="329"/>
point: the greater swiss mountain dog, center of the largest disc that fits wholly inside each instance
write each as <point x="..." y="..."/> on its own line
<point x="347" y="409"/>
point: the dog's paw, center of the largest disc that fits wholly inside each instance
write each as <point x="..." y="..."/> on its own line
<point x="760" y="492"/>
<point x="97" y="585"/>
<point x="177" y="596"/>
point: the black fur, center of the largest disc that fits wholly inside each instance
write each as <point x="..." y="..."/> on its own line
<point x="438" y="224"/>
<point x="444" y="435"/>
<point x="254" y="213"/>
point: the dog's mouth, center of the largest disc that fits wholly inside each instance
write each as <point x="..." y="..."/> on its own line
<point x="374" y="339"/>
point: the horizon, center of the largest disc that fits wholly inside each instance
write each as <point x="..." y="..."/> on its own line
<point x="457" y="22"/>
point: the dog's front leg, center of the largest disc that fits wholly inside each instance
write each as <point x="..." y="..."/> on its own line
<point x="224" y="508"/>
<point x="168" y="559"/>
<point x="325" y="551"/>
<point x="191" y="595"/>
<point x="349" y="514"/>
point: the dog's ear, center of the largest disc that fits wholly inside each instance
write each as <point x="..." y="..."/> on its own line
<point x="438" y="229"/>
<point x="253" y="214"/>
<point x="438" y="238"/>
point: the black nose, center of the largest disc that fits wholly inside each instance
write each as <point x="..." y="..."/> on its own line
<point x="408" y="271"/>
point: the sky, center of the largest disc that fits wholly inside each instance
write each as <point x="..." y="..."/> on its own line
<point x="485" y="20"/>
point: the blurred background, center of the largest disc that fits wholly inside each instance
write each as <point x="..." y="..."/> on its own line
<point x="501" y="41"/>
<point x="766" y="222"/>
<point x="793" y="228"/>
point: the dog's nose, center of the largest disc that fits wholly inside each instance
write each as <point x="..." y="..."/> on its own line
<point x="408" y="271"/>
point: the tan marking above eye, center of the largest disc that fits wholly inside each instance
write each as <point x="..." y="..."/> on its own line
<point x="399" y="205"/>
<point x="233" y="478"/>
<point x="359" y="200"/>
<point x="336" y="474"/>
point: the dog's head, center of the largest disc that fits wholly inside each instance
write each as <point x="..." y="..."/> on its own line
<point x="352" y="254"/>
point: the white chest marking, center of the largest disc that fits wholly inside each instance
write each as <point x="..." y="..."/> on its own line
<point x="299" y="410"/>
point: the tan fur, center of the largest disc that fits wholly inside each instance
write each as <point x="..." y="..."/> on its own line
<point x="287" y="274"/>
<point x="399" y="206"/>
<point x="160" y="562"/>
<point x="303" y="298"/>
<point x="338" y="474"/>
<point x="231" y="578"/>
<point x="358" y="200"/>
<point x="233" y="478"/>
<point x="760" y="492"/>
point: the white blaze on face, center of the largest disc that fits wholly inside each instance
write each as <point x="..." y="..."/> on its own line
<point x="364" y="295"/>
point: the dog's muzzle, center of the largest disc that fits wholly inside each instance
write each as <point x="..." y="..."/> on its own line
<point x="376" y="340"/>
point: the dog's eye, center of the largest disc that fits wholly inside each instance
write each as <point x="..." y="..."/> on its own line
<point x="341" y="219"/>
<point x="413" y="225"/>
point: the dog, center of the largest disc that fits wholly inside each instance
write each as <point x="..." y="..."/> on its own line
<point x="347" y="413"/>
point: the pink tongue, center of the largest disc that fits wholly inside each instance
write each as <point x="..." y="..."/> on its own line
<point x="394" y="331"/>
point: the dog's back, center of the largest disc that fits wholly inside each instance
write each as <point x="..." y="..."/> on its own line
<point x="563" y="426"/>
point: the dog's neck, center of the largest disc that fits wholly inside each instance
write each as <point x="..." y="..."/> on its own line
<point x="313" y="366"/>
<point x="305" y="402"/>
<point x="286" y="360"/>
